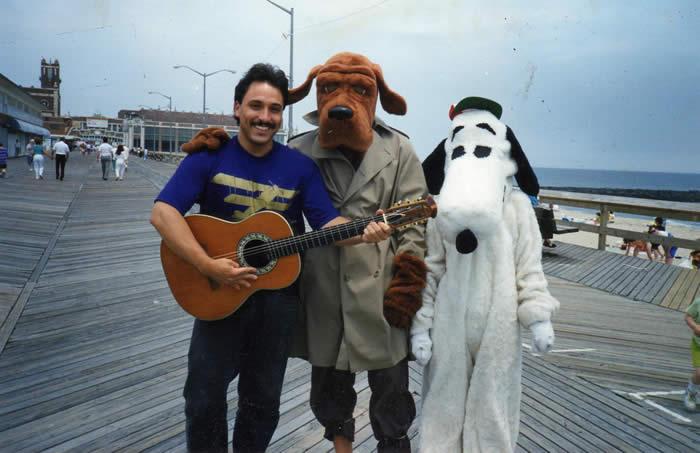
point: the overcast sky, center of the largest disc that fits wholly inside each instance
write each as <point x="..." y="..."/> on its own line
<point x="584" y="84"/>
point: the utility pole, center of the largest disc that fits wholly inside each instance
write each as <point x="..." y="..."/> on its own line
<point x="291" y="61"/>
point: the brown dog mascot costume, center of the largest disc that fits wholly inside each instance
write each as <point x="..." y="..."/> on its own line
<point x="358" y="301"/>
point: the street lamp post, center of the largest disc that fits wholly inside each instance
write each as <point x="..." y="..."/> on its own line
<point x="170" y="100"/>
<point x="291" y="59"/>
<point x="170" y="108"/>
<point x="204" y="89"/>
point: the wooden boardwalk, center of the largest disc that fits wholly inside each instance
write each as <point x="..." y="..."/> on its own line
<point x="632" y="277"/>
<point x="94" y="355"/>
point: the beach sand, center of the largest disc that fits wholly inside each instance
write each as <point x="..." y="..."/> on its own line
<point x="613" y="243"/>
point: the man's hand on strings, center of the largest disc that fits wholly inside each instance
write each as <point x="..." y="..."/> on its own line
<point x="376" y="231"/>
<point x="230" y="273"/>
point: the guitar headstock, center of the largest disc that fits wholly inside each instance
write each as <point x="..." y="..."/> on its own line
<point x="406" y="213"/>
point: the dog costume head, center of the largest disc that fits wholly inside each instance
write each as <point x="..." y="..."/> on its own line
<point x="472" y="172"/>
<point x="347" y="87"/>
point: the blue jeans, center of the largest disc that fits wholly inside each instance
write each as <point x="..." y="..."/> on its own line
<point x="253" y="344"/>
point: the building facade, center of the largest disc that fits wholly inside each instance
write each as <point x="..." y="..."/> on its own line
<point x="20" y="117"/>
<point x="91" y="129"/>
<point x="49" y="94"/>
<point x="167" y="131"/>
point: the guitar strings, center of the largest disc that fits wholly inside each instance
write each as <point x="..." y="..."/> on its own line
<point x="292" y="240"/>
<point x="311" y="236"/>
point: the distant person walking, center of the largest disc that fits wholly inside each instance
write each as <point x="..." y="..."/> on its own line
<point x="105" y="153"/>
<point x="30" y="153"/>
<point x="145" y="153"/>
<point x="38" y="159"/>
<point x="114" y="158"/>
<point x="3" y="161"/>
<point x="60" y="152"/>
<point x="120" y="159"/>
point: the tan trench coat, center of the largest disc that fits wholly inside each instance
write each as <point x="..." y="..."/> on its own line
<point x="342" y="323"/>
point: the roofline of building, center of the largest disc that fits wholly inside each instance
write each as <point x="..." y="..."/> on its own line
<point x="29" y="99"/>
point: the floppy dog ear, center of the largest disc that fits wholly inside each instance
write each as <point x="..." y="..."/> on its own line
<point x="391" y="100"/>
<point x="300" y="92"/>
<point x="526" y="177"/>
<point x="434" y="168"/>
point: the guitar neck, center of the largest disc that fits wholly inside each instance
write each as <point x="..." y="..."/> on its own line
<point x="323" y="237"/>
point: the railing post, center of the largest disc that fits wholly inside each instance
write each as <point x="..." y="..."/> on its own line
<point x="602" y="236"/>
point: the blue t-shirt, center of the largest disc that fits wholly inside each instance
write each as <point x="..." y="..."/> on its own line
<point x="231" y="184"/>
<point x="3" y="155"/>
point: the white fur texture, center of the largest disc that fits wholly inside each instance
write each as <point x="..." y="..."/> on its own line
<point x="542" y="336"/>
<point x="474" y="188"/>
<point x="475" y="304"/>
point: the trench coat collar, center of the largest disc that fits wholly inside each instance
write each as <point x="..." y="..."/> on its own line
<point x="382" y="154"/>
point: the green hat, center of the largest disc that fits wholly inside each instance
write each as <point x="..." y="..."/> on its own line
<point x="476" y="103"/>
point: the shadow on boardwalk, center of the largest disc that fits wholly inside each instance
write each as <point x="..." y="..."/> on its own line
<point x="95" y="347"/>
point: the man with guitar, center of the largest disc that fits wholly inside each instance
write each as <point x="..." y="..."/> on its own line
<point x="250" y="173"/>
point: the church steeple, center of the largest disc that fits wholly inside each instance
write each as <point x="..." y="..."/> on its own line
<point x="50" y="74"/>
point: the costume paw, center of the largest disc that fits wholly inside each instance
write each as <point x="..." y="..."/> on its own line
<point x="211" y="138"/>
<point x="421" y="348"/>
<point x="403" y="297"/>
<point x="542" y="336"/>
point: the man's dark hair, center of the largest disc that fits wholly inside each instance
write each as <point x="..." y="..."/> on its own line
<point x="104" y="139"/>
<point x="263" y="72"/>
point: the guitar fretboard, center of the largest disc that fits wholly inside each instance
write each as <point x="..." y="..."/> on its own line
<point x="323" y="237"/>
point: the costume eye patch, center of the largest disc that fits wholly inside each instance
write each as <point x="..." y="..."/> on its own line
<point x="457" y="152"/>
<point x="456" y="129"/>
<point x="486" y="127"/>
<point x="481" y="151"/>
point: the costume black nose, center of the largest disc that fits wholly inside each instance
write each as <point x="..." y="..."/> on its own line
<point x="340" y="112"/>
<point x="466" y="242"/>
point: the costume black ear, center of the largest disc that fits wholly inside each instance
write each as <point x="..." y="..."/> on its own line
<point x="526" y="177"/>
<point x="434" y="168"/>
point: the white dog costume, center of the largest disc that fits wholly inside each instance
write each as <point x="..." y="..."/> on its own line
<point x="485" y="280"/>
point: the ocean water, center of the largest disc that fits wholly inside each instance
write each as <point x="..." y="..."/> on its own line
<point x="569" y="177"/>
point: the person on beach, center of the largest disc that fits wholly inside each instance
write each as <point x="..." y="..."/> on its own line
<point x="692" y="319"/>
<point x="635" y="246"/>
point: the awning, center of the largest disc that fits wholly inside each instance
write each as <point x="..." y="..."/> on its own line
<point x="29" y="128"/>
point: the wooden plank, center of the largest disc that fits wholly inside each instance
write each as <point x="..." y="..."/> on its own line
<point x="656" y="275"/>
<point x="658" y="291"/>
<point x="685" y="298"/>
<point x="679" y="284"/>
<point x="607" y="265"/>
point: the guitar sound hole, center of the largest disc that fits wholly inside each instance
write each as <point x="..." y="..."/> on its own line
<point x="256" y="258"/>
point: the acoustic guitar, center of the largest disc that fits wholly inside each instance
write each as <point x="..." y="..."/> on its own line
<point x="265" y="241"/>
